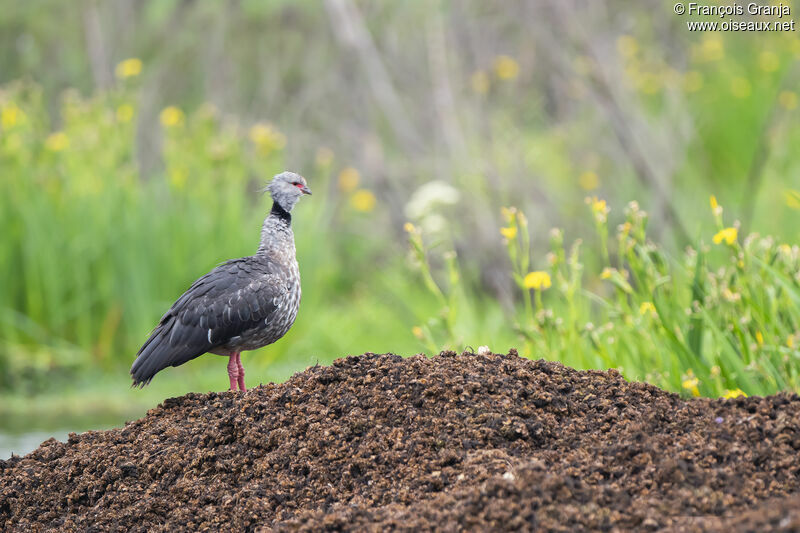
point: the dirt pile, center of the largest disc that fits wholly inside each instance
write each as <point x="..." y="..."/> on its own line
<point x="455" y="442"/>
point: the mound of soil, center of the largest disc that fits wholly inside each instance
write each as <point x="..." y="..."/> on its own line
<point x="378" y="442"/>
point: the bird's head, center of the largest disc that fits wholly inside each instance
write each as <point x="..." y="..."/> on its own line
<point x="286" y="189"/>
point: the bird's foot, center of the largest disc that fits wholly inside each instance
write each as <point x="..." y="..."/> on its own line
<point x="236" y="372"/>
<point x="233" y="372"/>
<point x="240" y="373"/>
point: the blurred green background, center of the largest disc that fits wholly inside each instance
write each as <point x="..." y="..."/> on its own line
<point x="135" y="136"/>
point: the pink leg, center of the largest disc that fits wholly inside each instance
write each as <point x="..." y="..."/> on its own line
<point x="240" y="368"/>
<point x="233" y="371"/>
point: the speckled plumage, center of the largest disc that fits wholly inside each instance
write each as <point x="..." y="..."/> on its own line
<point x="243" y="304"/>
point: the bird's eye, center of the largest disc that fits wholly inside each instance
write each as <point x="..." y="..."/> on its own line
<point x="298" y="185"/>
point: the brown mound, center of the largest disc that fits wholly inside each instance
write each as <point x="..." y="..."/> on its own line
<point x="378" y="442"/>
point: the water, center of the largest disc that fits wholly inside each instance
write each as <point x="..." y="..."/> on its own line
<point x="21" y="435"/>
<point x="23" y="443"/>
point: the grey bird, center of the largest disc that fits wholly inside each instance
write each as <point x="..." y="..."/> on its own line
<point x="242" y="304"/>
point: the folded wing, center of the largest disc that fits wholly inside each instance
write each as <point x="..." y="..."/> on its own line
<point x="235" y="297"/>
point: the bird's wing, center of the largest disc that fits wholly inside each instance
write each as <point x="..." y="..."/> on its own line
<point x="234" y="297"/>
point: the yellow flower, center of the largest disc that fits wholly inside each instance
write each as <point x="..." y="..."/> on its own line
<point x="692" y="81"/>
<point x="712" y="48"/>
<point x="509" y="213"/>
<point x="617" y="278"/>
<point x="731" y="296"/>
<point x="759" y="338"/>
<point x="409" y="227"/>
<point x="599" y="209"/>
<point x="691" y="383"/>
<point x="266" y="138"/>
<point x="790" y="341"/>
<point x="363" y="200"/>
<point x="417" y="332"/>
<point x="589" y="181"/>
<point x="716" y="209"/>
<point x="741" y="87"/>
<point x="792" y="198"/>
<point x="171" y="116"/>
<point x="538" y="280"/>
<point x="10" y="116"/>
<point x="650" y="83"/>
<point x="509" y="232"/>
<point x="57" y="141"/>
<point x="125" y="113"/>
<point x="324" y="156"/>
<point x="348" y="179"/>
<point x="480" y="82"/>
<point x="728" y="235"/>
<point x="129" y="68"/>
<point x="178" y="177"/>
<point x="598" y="206"/>
<point x="627" y="46"/>
<point x="768" y="61"/>
<point x="506" y="67"/>
<point x="260" y="133"/>
<point x="735" y="393"/>
<point x="647" y="307"/>
<point x="788" y="100"/>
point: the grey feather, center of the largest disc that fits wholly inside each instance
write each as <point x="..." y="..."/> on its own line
<point x="242" y="304"/>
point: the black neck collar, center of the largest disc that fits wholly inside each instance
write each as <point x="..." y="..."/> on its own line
<point x="281" y="213"/>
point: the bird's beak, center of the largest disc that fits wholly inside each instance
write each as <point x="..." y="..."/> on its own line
<point x="306" y="190"/>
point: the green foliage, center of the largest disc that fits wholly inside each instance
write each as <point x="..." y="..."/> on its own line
<point x="93" y="254"/>
<point x="110" y="209"/>
<point x="720" y="319"/>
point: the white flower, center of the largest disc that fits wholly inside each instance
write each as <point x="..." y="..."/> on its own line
<point x="430" y="196"/>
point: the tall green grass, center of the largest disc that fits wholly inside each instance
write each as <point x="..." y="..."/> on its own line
<point x="93" y="252"/>
<point x="722" y="318"/>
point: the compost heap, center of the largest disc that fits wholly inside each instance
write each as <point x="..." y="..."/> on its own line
<point x="455" y="442"/>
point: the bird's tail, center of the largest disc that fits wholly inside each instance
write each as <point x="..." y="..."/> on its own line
<point x="151" y="358"/>
<point x="172" y="343"/>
